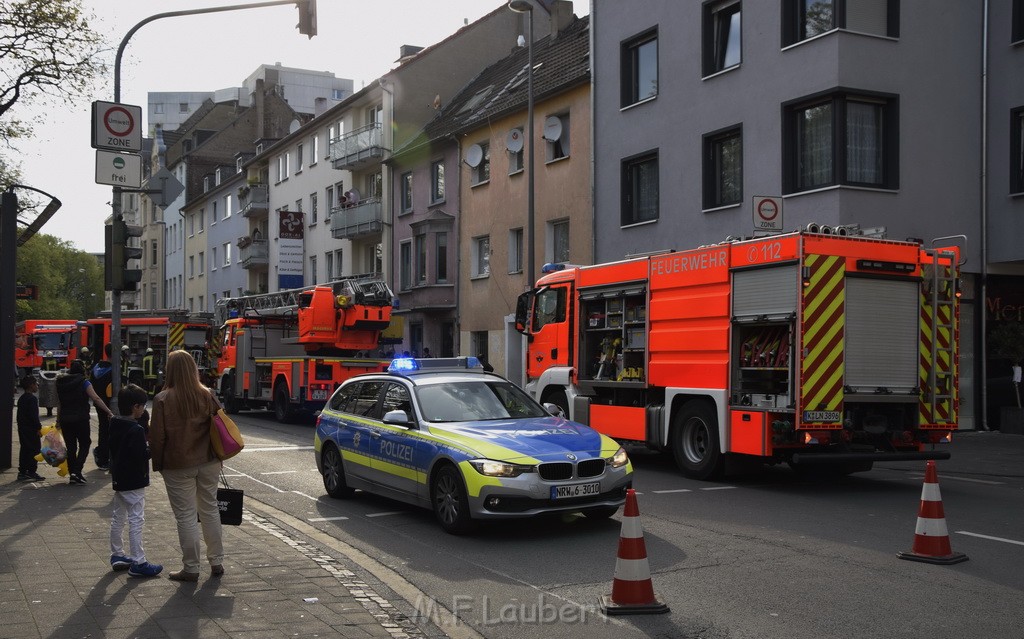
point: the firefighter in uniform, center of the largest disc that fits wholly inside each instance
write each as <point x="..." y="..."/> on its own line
<point x="50" y="362"/>
<point x="149" y="373"/>
<point x="126" y="362"/>
<point x="86" y="356"/>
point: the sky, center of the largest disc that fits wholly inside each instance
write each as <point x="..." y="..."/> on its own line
<point x="356" y="40"/>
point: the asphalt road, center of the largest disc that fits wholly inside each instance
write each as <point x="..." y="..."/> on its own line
<point x="766" y="554"/>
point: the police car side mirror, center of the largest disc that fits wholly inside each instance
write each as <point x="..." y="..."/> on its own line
<point x="554" y="409"/>
<point x="396" y="418"/>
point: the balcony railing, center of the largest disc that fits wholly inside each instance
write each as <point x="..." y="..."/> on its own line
<point x="253" y="203"/>
<point x="255" y="255"/>
<point x="358" y="149"/>
<point x="365" y="218"/>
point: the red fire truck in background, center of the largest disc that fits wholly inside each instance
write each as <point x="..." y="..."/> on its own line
<point x="45" y="345"/>
<point x="804" y="347"/>
<point x="288" y="351"/>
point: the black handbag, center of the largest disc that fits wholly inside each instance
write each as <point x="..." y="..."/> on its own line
<point x="229" y="503"/>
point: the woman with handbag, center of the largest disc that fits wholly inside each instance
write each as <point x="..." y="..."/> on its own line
<point x="179" y="437"/>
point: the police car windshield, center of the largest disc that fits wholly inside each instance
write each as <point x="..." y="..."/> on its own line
<point x="475" y="401"/>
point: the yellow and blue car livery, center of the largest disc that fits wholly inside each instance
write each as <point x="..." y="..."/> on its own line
<point x="468" y="444"/>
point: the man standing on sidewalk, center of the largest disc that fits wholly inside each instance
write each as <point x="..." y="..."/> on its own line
<point x="28" y="431"/>
<point x="102" y="379"/>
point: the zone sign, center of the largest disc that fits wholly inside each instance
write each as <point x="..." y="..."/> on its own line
<point x="116" y="127"/>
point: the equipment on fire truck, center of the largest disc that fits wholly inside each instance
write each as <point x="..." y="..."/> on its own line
<point x="290" y="349"/>
<point x="809" y="347"/>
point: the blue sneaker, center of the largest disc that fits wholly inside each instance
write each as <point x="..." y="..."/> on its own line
<point x="144" y="569"/>
<point x="118" y="562"/>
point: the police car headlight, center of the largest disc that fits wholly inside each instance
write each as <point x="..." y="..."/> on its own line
<point x="619" y="459"/>
<point x="493" y="468"/>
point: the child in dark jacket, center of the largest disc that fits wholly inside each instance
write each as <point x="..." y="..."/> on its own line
<point x="129" y="472"/>
<point x="28" y="431"/>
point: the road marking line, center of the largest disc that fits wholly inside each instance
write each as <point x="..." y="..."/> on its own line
<point x="1003" y="539"/>
<point x="385" y="514"/>
<point x="271" y="486"/>
<point x="272" y="449"/>
<point x="302" y="494"/>
<point x="677" y="490"/>
<point x="976" y="481"/>
<point x="327" y="519"/>
<point x="279" y="472"/>
<point x="719" y="488"/>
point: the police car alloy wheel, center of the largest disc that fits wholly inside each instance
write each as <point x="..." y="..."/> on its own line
<point x="450" y="503"/>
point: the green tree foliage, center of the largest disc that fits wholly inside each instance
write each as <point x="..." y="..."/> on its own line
<point x="70" y="281"/>
<point x="48" y="54"/>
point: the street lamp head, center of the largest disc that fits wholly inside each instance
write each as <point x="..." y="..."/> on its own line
<point x="520" y="6"/>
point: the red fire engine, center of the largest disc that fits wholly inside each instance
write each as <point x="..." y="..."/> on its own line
<point x="45" y="345"/>
<point x="803" y="347"/>
<point x="288" y="351"/>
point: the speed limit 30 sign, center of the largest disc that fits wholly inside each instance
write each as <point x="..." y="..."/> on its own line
<point x="767" y="213"/>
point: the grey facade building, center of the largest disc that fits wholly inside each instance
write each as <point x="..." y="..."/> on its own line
<point x="902" y="115"/>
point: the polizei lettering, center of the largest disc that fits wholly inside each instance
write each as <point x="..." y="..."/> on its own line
<point x="682" y="263"/>
<point x="396" y="451"/>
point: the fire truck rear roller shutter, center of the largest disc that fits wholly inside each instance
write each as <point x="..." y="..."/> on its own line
<point x="765" y="291"/>
<point x="881" y="334"/>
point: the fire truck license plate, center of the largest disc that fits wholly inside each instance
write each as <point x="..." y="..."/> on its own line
<point x="822" y="416"/>
<point x="575" y="490"/>
<point x="318" y="394"/>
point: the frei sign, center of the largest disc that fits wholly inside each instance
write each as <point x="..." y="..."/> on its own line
<point x="117" y="138"/>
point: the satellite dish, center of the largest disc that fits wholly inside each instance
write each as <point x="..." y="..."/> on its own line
<point x="474" y="155"/>
<point x="552" y="128"/>
<point x="294" y="126"/>
<point x="514" y="140"/>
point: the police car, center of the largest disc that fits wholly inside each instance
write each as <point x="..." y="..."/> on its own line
<point x="444" y="434"/>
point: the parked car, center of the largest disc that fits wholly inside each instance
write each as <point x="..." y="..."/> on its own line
<point x="470" y="445"/>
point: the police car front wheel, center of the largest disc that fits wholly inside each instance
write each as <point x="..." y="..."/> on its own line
<point x="451" y="505"/>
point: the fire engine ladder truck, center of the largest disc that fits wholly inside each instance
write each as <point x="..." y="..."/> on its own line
<point x="366" y="289"/>
<point x="943" y="287"/>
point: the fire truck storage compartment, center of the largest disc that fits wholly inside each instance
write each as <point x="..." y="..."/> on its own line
<point x="764" y="307"/>
<point x="882" y="336"/>
<point x="614" y="337"/>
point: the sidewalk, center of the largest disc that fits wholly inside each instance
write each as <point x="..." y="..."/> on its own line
<point x="56" y="581"/>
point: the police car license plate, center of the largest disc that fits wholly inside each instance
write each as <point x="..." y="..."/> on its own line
<point x="318" y="394"/>
<point x="575" y="490"/>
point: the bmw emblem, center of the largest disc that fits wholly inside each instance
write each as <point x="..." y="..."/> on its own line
<point x="570" y="457"/>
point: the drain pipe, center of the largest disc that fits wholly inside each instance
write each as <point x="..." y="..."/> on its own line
<point x="983" y="298"/>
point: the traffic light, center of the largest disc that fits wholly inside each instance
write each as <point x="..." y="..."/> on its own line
<point x="116" y="274"/>
<point x="307" y="17"/>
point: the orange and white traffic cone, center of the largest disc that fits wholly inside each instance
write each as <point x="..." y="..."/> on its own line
<point x="931" y="539"/>
<point x="632" y="590"/>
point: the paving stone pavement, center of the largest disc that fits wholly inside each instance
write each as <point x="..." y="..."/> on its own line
<point x="56" y="580"/>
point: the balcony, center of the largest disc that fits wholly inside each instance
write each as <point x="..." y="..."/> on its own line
<point x="254" y="255"/>
<point x="361" y="220"/>
<point x="358" y="149"/>
<point x="253" y="200"/>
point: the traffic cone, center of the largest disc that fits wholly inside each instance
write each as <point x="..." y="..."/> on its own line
<point x="931" y="539"/>
<point x="632" y="590"/>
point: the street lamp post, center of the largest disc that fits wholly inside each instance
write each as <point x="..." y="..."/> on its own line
<point x="525" y="6"/>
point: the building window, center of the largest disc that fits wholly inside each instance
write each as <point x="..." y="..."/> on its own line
<point x="329" y="201"/>
<point x="437" y="181"/>
<point x="227" y="206"/>
<point x="482" y="171"/>
<point x="281" y="175"/>
<point x="1017" y="19"/>
<point x="804" y="19"/>
<point x="202" y="219"/>
<point x="515" y="251"/>
<point x="312" y="269"/>
<point x="721" y="36"/>
<point x="405" y="261"/>
<point x="213" y="212"/>
<point x="183" y="107"/>
<point x="298" y="206"/>
<point x="515" y="158"/>
<point x="313" y="206"/>
<point x="841" y="139"/>
<point x="314" y="149"/>
<point x="227" y="253"/>
<point x="421" y="258"/>
<point x="640" y="189"/>
<point x="1017" y="151"/>
<point x="442" y="257"/>
<point x="337" y="94"/>
<point x="202" y="303"/>
<point x="556" y="137"/>
<point x="723" y="168"/>
<point x="153" y="253"/>
<point x="202" y="264"/>
<point x="158" y="108"/>
<point x="481" y="256"/>
<point x="559" y="241"/>
<point x="299" y="154"/>
<point x="406" y="192"/>
<point x="639" y="68"/>
<point x="213" y="259"/>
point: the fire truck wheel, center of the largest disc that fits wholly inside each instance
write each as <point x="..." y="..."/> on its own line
<point x="694" y="440"/>
<point x="334" y="473"/>
<point x="227" y="393"/>
<point x="559" y="399"/>
<point x="282" y="403"/>
<point x="451" y="506"/>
